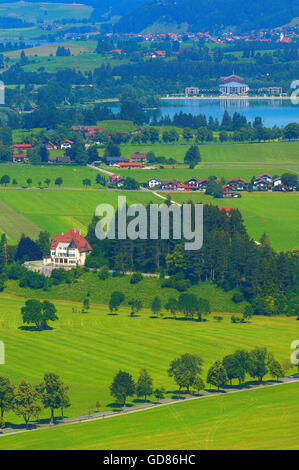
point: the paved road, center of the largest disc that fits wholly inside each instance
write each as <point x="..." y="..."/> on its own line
<point x="142" y="407"/>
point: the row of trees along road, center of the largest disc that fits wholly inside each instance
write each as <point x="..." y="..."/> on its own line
<point x="28" y="400"/>
<point x="186" y="371"/>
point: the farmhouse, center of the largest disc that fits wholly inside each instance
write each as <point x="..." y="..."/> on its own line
<point x="138" y="157"/>
<point x="115" y="181"/>
<point x="128" y="164"/>
<point x="21" y="147"/>
<point x="154" y="183"/>
<point x="114" y="161"/>
<point x="66" y="144"/>
<point x="68" y="250"/>
<point x="236" y="184"/>
<point x="20" y="158"/>
<point x="50" y="146"/>
<point x="261" y="184"/>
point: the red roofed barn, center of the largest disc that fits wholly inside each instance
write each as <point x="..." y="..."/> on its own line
<point x="68" y="250"/>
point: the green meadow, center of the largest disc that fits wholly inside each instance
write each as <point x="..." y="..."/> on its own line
<point x="87" y="350"/>
<point x="271" y="153"/>
<point x="31" y="210"/>
<point x="72" y="176"/>
<point x="259" y="419"/>
<point x="55" y="210"/>
<point x="273" y="213"/>
<point x="100" y="292"/>
<point x="32" y="12"/>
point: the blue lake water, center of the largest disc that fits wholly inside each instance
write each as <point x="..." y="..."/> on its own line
<point x="273" y="112"/>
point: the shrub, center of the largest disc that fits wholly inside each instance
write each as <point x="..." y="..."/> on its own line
<point x="103" y="274"/>
<point x="135" y="278"/>
<point x="33" y="280"/>
<point x="237" y="297"/>
<point x="16" y="271"/>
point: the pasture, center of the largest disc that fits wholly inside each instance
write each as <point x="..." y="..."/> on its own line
<point x="59" y="210"/>
<point x="87" y="350"/>
<point x="273" y="213"/>
<point x="260" y="419"/>
<point x="72" y="176"/>
<point x="49" y="12"/>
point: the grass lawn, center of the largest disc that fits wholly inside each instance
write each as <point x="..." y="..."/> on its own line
<point x="72" y="176"/>
<point x="273" y="213"/>
<point x="87" y="350"/>
<point x="100" y="292"/>
<point x="276" y="153"/>
<point x="56" y="211"/>
<point x="259" y="419"/>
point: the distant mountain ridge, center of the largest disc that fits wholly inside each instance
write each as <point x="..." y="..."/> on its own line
<point x="209" y="15"/>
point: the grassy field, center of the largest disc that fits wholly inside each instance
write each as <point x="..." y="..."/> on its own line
<point x="100" y="292"/>
<point x="273" y="213"/>
<point x="31" y="12"/>
<point x="57" y="211"/>
<point x="72" y="176"/>
<point x="96" y="345"/>
<point x="274" y="153"/>
<point x="260" y="419"/>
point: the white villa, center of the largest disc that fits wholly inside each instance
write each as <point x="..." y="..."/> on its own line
<point x="69" y="250"/>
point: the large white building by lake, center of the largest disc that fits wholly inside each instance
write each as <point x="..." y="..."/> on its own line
<point x="233" y="85"/>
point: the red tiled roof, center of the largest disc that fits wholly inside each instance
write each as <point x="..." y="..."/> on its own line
<point x="22" y="146"/>
<point x="138" y="164"/>
<point x="72" y="235"/>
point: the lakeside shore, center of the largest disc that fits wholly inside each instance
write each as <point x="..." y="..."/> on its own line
<point x="221" y="97"/>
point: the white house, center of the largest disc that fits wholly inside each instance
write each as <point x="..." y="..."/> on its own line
<point x="154" y="183"/>
<point x="69" y="250"/>
<point x="66" y="144"/>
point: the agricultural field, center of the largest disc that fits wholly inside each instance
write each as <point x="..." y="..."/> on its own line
<point x="273" y="213"/>
<point x="57" y="211"/>
<point x="32" y="12"/>
<point x="100" y="344"/>
<point x="276" y="154"/>
<point x="72" y="176"/>
<point x="270" y="416"/>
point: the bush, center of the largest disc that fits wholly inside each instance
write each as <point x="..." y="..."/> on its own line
<point x="234" y="319"/>
<point x="33" y="280"/>
<point x="103" y="274"/>
<point x="135" y="278"/>
<point x="181" y="285"/>
<point x="237" y="297"/>
<point x="16" y="271"/>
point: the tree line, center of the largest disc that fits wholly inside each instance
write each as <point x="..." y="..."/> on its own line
<point x="229" y="258"/>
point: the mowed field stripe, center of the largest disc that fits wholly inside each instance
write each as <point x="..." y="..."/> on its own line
<point x="14" y="223"/>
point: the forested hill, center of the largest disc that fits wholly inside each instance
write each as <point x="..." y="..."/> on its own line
<point x="203" y="15"/>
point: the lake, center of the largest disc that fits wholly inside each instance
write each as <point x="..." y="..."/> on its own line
<point x="273" y="112"/>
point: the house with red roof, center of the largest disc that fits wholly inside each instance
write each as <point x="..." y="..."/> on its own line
<point x="68" y="250"/>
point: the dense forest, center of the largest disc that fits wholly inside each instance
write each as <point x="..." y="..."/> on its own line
<point x="229" y="258"/>
<point x="199" y="15"/>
